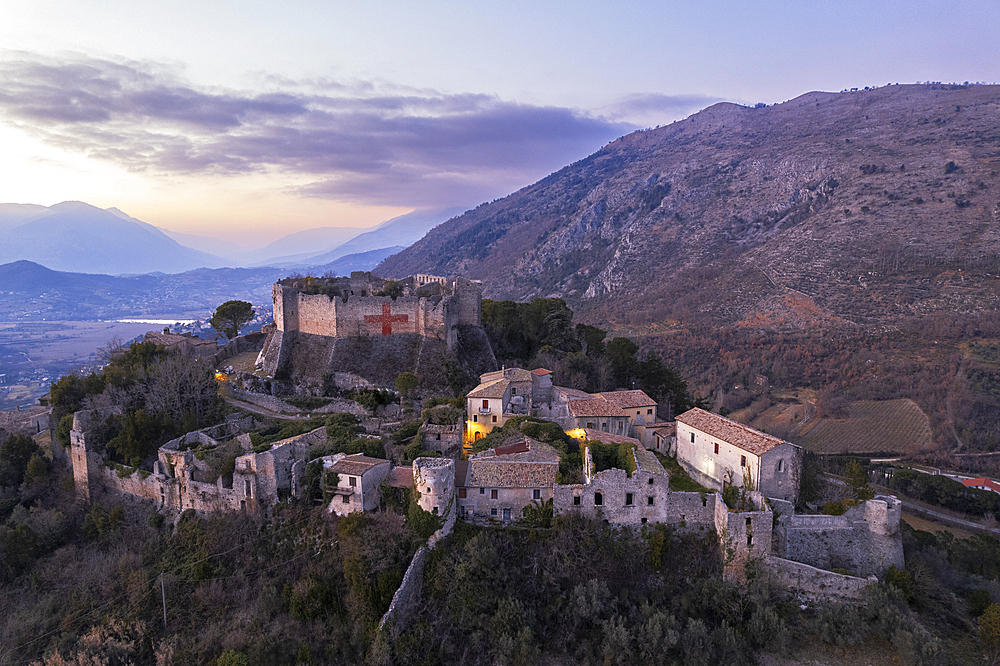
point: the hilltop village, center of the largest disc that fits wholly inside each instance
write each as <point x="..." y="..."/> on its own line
<point x="747" y="481"/>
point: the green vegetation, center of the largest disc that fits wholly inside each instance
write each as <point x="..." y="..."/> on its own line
<point x="406" y="382"/>
<point x="143" y="398"/>
<point x="231" y="316"/>
<point x="541" y="334"/>
<point x="611" y="455"/>
<point x="680" y="480"/>
<point x="307" y="402"/>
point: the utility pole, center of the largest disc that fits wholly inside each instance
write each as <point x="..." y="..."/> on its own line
<point x="163" y="596"/>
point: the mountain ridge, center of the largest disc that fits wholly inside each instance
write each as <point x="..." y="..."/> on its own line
<point x="831" y="208"/>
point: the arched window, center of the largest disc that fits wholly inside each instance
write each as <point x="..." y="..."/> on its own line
<point x="598" y="499"/>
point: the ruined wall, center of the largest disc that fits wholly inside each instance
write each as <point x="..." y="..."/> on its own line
<point x="680" y="509"/>
<point x="865" y="540"/>
<point x="747" y="536"/>
<point x="802" y="579"/>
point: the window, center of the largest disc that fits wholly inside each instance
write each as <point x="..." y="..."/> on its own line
<point x="513" y="390"/>
<point x="494" y="418"/>
<point x="506" y="514"/>
<point x="704" y="500"/>
<point x="628" y="499"/>
<point x="482" y="491"/>
<point x="351" y="481"/>
<point x="781" y="465"/>
<point x="475" y="418"/>
<point x="576" y="500"/>
<point x="493" y="493"/>
<point x="461" y="493"/>
<point x="486" y="404"/>
<point x="598" y="499"/>
<point x="650" y="481"/>
<point x="748" y="522"/>
<point x="716" y="448"/>
<point x="346" y="499"/>
<point x="749" y="540"/>
<point x="435" y="511"/>
<point x="649" y="411"/>
<point x="590" y="424"/>
<point x="743" y="461"/>
<point x="536" y="494"/>
<point x="649" y="501"/>
<point x="643" y="521"/>
<point x="692" y="438"/>
<point x="438" y="437"/>
<point x="493" y="511"/>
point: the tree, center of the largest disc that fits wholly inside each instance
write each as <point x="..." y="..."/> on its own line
<point x="989" y="632"/>
<point x="857" y="481"/>
<point x="15" y="453"/>
<point x="406" y="382"/>
<point x="621" y="353"/>
<point x="231" y="316"/>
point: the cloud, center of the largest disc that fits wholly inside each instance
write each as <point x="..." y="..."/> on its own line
<point x="659" y="106"/>
<point x="362" y="141"/>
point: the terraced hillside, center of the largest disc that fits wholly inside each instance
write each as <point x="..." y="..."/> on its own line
<point x="871" y="427"/>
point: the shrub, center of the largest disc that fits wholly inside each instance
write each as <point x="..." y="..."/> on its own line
<point x="156" y="520"/>
<point x="834" y="508"/>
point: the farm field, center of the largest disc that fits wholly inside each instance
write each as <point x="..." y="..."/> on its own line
<point x="872" y="426"/>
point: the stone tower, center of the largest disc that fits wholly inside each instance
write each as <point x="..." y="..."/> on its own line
<point x="434" y="482"/>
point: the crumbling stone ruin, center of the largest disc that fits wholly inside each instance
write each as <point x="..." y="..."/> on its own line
<point x="375" y="329"/>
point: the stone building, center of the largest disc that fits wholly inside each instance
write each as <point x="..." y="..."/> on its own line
<point x="358" y="481"/>
<point x="501" y="482"/>
<point x="717" y="452"/>
<point x="184" y="344"/>
<point x="502" y="395"/>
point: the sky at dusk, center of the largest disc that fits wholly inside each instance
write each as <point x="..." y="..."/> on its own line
<point x="249" y="120"/>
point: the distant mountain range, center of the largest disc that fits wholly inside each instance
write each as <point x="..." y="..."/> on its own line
<point x="852" y="208"/>
<point x="79" y="238"/>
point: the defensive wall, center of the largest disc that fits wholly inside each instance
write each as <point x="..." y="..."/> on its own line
<point x="865" y="540"/>
<point x="177" y="481"/>
<point x="804" y="580"/>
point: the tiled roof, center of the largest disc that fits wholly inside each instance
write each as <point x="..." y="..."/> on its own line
<point x="401" y="477"/>
<point x="594" y="407"/>
<point x="628" y="399"/>
<point x="520" y="447"/>
<point x="572" y="394"/>
<point x="737" y="434"/>
<point x="500" y="473"/>
<point x="533" y="467"/>
<point x="541" y="371"/>
<point x="986" y="483"/>
<point x="494" y="389"/>
<point x="356" y="464"/>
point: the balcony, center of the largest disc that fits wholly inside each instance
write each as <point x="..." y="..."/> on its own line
<point x="484" y="410"/>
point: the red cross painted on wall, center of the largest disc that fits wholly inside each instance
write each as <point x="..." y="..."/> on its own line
<point x="386" y="319"/>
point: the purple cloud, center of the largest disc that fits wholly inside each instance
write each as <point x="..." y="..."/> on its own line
<point x="362" y="141"/>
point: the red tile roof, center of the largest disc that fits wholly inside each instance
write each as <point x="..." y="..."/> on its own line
<point x="520" y="447"/>
<point x="628" y="399"/>
<point x="356" y="464"/>
<point x="594" y="407"/>
<point x="401" y="477"/>
<point x="541" y="371"/>
<point x="737" y="434"/>
<point x="989" y="484"/>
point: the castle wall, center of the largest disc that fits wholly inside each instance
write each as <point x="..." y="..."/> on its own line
<point x="802" y="579"/>
<point x="317" y="314"/>
<point x="865" y="540"/>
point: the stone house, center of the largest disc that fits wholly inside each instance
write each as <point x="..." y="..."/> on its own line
<point x="358" y="481"/>
<point x="502" y="395"/>
<point x="718" y="452"/>
<point x="500" y="483"/>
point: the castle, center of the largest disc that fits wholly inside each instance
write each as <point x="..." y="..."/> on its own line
<point x="363" y="330"/>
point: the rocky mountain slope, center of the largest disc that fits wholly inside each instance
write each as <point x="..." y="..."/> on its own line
<point x="846" y="207"/>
